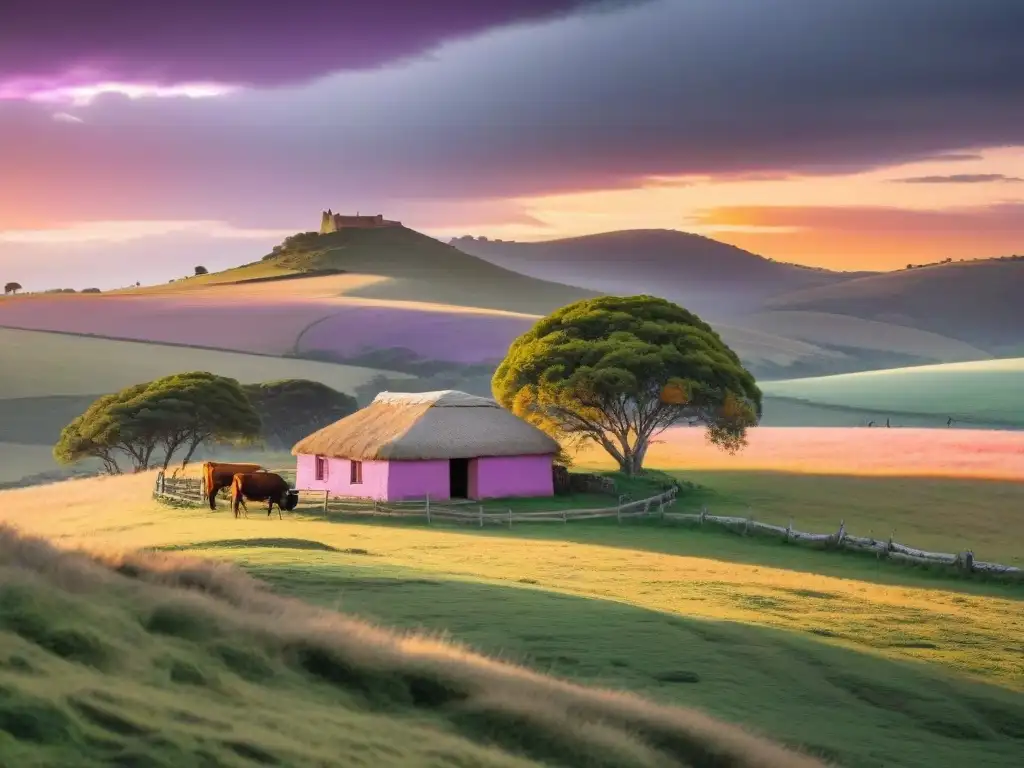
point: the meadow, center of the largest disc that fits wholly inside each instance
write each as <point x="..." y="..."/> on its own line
<point x="322" y="314"/>
<point x="148" y="660"/>
<point x="985" y="392"/>
<point x="924" y="668"/>
<point x="36" y="364"/>
<point x="848" y="332"/>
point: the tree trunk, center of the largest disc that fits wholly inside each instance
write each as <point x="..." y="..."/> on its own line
<point x="632" y="462"/>
<point x="191" y="449"/>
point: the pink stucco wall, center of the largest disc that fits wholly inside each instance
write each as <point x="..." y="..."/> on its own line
<point x="418" y="479"/>
<point x="493" y="477"/>
<point x="374" y="485"/>
<point x="490" y="477"/>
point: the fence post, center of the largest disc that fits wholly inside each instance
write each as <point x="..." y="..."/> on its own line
<point x="481" y="515"/>
<point x="565" y="517"/>
<point x="326" y="496"/>
<point x="374" y="513"/>
<point x="789" y="529"/>
<point x="428" y="510"/>
<point x="841" y="533"/>
<point x="703" y="514"/>
<point x="510" y="518"/>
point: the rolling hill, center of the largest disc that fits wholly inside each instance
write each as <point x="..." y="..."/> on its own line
<point x="715" y="280"/>
<point x="416" y="268"/>
<point x="978" y="302"/>
<point x="985" y="393"/>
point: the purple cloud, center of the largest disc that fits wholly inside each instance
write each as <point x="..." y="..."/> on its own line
<point x="50" y="43"/>
<point x="587" y="100"/>
<point x="961" y="178"/>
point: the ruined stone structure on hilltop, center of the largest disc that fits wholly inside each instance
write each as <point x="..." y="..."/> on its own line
<point x="332" y="222"/>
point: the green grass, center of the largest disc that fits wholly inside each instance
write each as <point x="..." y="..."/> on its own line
<point x="850" y="707"/>
<point x="858" y="661"/>
<point x="148" y="661"/>
<point x="986" y="392"/>
<point x="38" y="364"/>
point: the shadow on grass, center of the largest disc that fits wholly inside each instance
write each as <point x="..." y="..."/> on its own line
<point x="274" y="543"/>
<point x="715" y="543"/>
<point x="791" y="686"/>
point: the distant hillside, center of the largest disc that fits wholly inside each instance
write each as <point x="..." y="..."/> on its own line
<point x="986" y="393"/>
<point x="421" y="266"/>
<point x="980" y="302"/>
<point x="714" y="279"/>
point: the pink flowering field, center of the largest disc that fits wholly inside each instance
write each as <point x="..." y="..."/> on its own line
<point x="858" y="451"/>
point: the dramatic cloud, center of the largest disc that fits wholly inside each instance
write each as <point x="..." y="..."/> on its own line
<point x="960" y="178"/>
<point x="585" y="101"/>
<point x="52" y="43"/>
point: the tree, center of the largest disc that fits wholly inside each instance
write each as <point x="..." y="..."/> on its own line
<point x="293" y="408"/>
<point x="12" y="288"/>
<point x="158" y="418"/>
<point x="619" y="370"/>
<point x="201" y="271"/>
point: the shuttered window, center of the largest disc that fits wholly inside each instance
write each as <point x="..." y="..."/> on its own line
<point x="321" y="468"/>
<point x="355" y="472"/>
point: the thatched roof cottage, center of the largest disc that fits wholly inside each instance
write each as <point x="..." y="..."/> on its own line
<point x="445" y="445"/>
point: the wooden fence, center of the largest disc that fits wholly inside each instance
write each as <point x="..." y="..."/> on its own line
<point x="190" y="491"/>
<point x="881" y="548"/>
<point x="320" y="503"/>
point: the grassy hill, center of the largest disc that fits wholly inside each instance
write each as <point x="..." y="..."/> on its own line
<point x="419" y="268"/>
<point x="978" y="302"/>
<point x="711" y="278"/>
<point x="812" y="648"/>
<point x="145" y="660"/>
<point x="986" y="393"/>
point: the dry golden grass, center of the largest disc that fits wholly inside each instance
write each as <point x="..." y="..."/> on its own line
<point x="938" y="625"/>
<point x="449" y="697"/>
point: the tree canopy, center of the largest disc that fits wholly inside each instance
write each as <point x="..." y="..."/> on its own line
<point x="619" y="370"/>
<point x="158" y="418"/>
<point x="12" y="287"/>
<point x="293" y="408"/>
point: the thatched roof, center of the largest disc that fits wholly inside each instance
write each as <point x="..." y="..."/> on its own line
<point x="427" y="425"/>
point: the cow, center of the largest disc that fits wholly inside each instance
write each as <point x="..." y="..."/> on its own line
<point x="262" y="486"/>
<point x="217" y="475"/>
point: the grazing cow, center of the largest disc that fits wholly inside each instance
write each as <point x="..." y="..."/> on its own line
<point x="262" y="486"/>
<point x="217" y="475"/>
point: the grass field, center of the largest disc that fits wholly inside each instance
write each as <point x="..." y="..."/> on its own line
<point x="925" y="670"/>
<point x="846" y="331"/>
<point x="983" y="392"/>
<point x="157" y="662"/>
<point x="37" y="364"/>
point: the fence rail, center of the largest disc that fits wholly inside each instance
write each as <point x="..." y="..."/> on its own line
<point x="321" y="503"/>
<point x="881" y="548"/>
<point x="189" y="491"/>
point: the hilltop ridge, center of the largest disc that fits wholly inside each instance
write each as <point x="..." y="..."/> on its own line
<point x="712" y="278"/>
<point x="405" y="256"/>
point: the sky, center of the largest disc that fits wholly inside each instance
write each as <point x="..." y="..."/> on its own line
<point x="138" y="139"/>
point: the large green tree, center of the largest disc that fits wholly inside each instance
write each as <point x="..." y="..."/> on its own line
<point x="619" y="370"/>
<point x="156" y="419"/>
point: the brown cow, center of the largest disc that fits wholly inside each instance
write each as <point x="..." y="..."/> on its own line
<point x="262" y="486"/>
<point x="217" y="475"/>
